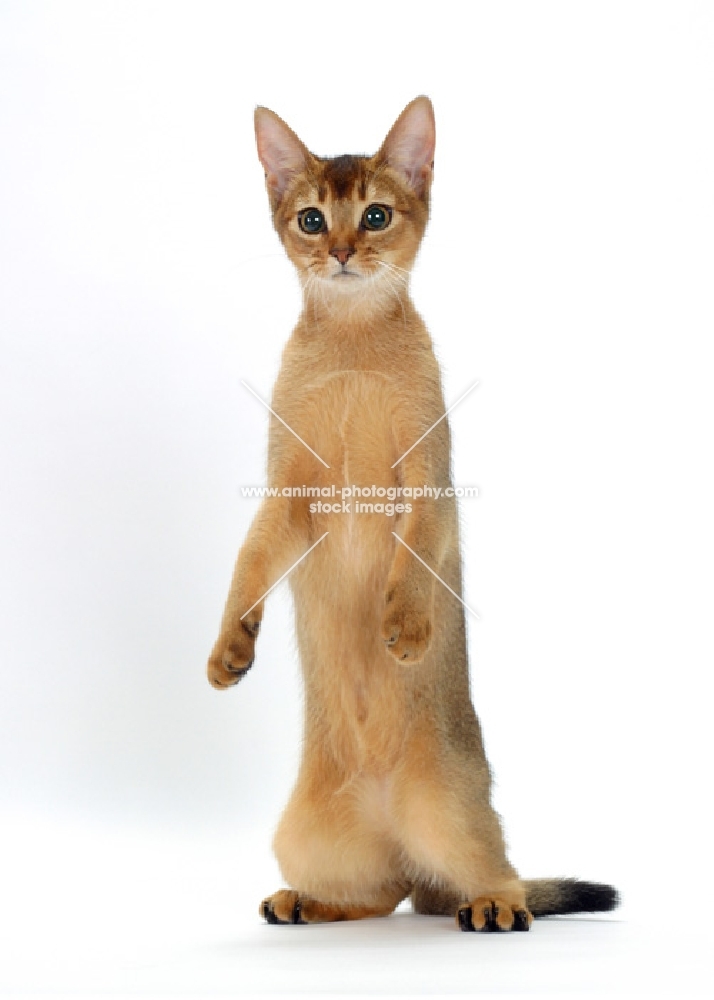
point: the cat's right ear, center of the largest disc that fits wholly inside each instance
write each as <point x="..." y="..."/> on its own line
<point x="280" y="151"/>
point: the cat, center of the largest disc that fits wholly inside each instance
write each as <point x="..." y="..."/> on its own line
<point x="392" y="797"/>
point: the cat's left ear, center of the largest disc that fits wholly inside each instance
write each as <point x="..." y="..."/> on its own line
<point x="409" y="146"/>
<point x="280" y="151"/>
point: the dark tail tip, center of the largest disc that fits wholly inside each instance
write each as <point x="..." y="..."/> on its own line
<point x="551" y="897"/>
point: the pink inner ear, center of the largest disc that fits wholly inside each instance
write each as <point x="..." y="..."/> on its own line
<point x="279" y="149"/>
<point x="409" y="147"/>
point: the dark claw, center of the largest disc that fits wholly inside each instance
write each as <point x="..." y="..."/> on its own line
<point x="269" y="914"/>
<point x="297" y="913"/>
<point x="490" y="913"/>
<point x="465" y="919"/>
<point x="520" y="921"/>
<point x="238" y="672"/>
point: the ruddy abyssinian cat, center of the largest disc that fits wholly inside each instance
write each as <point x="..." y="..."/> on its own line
<point x="393" y="793"/>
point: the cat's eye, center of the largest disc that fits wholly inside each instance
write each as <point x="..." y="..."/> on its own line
<point x="376" y="217"/>
<point x="311" y="220"/>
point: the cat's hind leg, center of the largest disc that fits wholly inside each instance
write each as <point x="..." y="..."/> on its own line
<point x="453" y="840"/>
<point x="338" y="861"/>
<point x="288" y="906"/>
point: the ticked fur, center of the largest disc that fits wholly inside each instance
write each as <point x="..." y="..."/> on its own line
<point x="393" y="792"/>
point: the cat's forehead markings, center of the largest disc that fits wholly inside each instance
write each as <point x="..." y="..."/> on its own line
<point x="342" y="174"/>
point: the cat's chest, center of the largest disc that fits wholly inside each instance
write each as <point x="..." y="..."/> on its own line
<point x="347" y="417"/>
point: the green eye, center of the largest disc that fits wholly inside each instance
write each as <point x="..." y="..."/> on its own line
<point x="376" y="217"/>
<point x="311" y="220"/>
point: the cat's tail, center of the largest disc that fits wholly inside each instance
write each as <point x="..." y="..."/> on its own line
<point x="544" y="897"/>
<point x="547" y="897"/>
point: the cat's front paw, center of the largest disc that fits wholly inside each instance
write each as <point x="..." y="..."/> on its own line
<point x="233" y="654"/>
<point x="406" y="629"/>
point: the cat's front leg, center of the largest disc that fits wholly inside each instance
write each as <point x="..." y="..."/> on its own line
<point x="409" y="608"/>
<point x="407" y="623"/>
<point x="273" y="542"/>
<point x="409" y="597"/>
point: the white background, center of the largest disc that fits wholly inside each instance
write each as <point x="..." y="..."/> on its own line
<point x="568" y="266"/>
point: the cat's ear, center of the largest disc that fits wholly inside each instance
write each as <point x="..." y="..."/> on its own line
<point x="409" y="147"/>
<point x="280" y="151"/>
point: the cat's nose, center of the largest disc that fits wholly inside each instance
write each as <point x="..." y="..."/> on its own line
<point x="343" y="254"/>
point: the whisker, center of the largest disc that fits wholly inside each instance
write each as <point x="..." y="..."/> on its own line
<point x="391" y="276"/>
<point x="401" y="273"/>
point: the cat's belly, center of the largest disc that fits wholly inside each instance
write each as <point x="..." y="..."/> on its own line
<point x="352" y="683"/>
<point x="339" y="588"/>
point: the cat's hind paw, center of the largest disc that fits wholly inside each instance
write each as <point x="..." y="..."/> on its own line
<point x="283" y="907"/>
<point x="286" y="906"/>
<point x="486" y="914"/>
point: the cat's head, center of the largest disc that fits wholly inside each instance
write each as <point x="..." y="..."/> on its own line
<point x="350" y="224"/>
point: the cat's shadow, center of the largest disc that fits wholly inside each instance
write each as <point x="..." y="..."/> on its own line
<point x="402" y="930"/>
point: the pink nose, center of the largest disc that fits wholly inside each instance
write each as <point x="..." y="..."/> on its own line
<point x="343" y="254"/>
